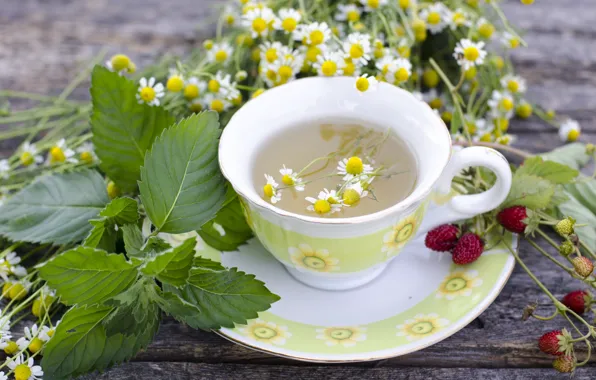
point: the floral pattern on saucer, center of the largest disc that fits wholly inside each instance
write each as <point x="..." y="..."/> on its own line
<point x="421" y="326"/>
<point x="459" y="283"/>
<point x="266" y="332"/>
<point x="345" y="336"/>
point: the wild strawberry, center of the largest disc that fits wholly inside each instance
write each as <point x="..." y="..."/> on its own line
<point x="583" y="266"/>
<point x="565" y="226"/>
<point x="468" y="249"/>
<point x="578" y="301"/>
<point x="566" y="248"/>
<point x="442" y="238"/>
<point x="564" y="364"/>
<point x="512" y="218"/>
<point x="555" y="342"/>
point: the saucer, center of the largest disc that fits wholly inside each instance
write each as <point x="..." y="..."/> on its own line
<point x="419" y="300"/>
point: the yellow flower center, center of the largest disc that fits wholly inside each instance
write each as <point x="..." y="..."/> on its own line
<point x="195" y="107"/>
<point x="486" y="137"/>
<point x="285" y="72"/>
<point x="230" y="19"/>
<point x="471" y="73"/>
<point x="471" y="127"/>
<point x="213" y="85"/>
<point x="175" y="83"/>
<point x="430" y="78"/>
<point x="351" y="197"/>
<point x="312" y="53"/>
<point x="434" y="18"/>
<point x="268" y="190"/>
<point x="257" y="93"/>
<point x="329" y="68"/>
<point x="17" y="292"/>
<point x="501" y="124"/>
<point x="131" y="68"/>
<point x="86" y="157"/>
<point x="271" y="75"/>
<point x="356" y="51"/>
<point x="399" y="31"/>
<point x="573" y="135"/>
<point x="404" y="3"/>
<point x="208" y="44"/>
<point x="221" y="56"/>
<point x="6" y="289"/>
<point x="379" y="53"/>
<point x="120" y="62"/>
<point x="506" y="104"/>
<point x="486" y="30"/>
<point x="498" y="62"/>
<point x="373" y="4"/>
<point x="259" y="25"/>
<point x="316" y="37"/>
<point x="362" y="84"/>
<point x="217" y="105"/>
<point x="459" y="18"/>
<point x="289" y="24"/>
<point x="513" y="86"/>
<point x="471" y="53"/>
<point x="51" y="332"/>
<point x="504" y="140"/>
<point x="57" y="154"/>
<point x="191" y="91"/>
<point x="436" y="103"/>
<point x="147" y="94"/>
<point x="354" y="166"/>
<point x="353" y="16"/>
<point x="22" y="372"/>
<point x="404" y="51"/>
<point x="322" y="206"/>
<point x="402" y="75"/>
<point x="447" y="116"/>
<point x="524" y="110"/>
<point x="527" y="2"/>
<point x="332" y="200"/>
<point x="244" y="40"/>
<point x="11" y="348"/>
<point x="35" y="345"/>
<point x="513" y="42"/>
<point x="271" y="55"/>
<point x="27" y="158"/>
<point x="36" y="307"/>
<point x="350" y="68"/>
<point x="473" y="3"/>
<point x="287" y="180"/>
<point x="113" y="190"/>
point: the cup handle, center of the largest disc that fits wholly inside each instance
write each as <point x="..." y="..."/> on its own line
<point x="463" y="207"/>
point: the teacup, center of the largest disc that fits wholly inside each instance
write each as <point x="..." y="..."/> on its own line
<point x="343" y="253"/>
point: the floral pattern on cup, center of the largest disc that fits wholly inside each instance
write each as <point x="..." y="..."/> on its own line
<point x="266" y="332"/>
<point x="459" y="283"/>
<point x="307" y="258"/>
<point x="421" y="326"/>
<point x="344" y="336"/>
<point x="396" y="238"/>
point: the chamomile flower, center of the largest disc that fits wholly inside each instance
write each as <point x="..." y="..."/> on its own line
<point x="4" y="168"/>
<point x="506" y="139"/>
<point x="272" y="51"/>
<point x="323" y="205"/>
<point x="400" y="70"/>
<point x="60" y="153"/>
<point x="9" y="265"/>
<point x="86" y="153"/>
<point x="24" y="369"/>
<point x="366" y="83"/>
<point x="569" y="130"/>
<point x="34" y="338"/>
<point x="220" y="53"/>
<point x="269" y="74"/>
<point x="514" y="84"/>
<point x="510" y="41"/>
<point x="313" y="34"/>
<point x="351" y="68"/>
<point x="175" y="82"/>
<point x="485" y="28"/>
<point x="215" y="102"/>
<point x="194" y="88"/>
<point x="120" y="63"/>
<point x="348" y="12"/>
<point x="353" y="193"/>
<point x="373" y="5"/>
<point x="29" y="156"/>
<point x="433" y="99"/>
<point x="330" y="64"/>
<point x="358" y="47"/>
<point x="404" y="50"/>
<point x="436" y="16"/>
<point x="150" y="91"/>
<point x="287" y="68"/>
<point x="271" y="190"/>
<point x="459" y="18"/>
<point x="331" y="196"/>
<point x="223" y="86"/>
<point x="290" y="178"/>
<point x="501" y="104"/>
<point x="469" y="53"/>
<point x="352" y="167"/>
<point x="288" y="20"/>
<point x="230" y="15"/>
<point x="260" y="21"/>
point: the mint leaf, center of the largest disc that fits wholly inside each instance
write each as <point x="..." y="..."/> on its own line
<point x="104" y="233"/>
<point x="87" y="276"/>
<point x="78" y="342"/>
<point x="172" y="266"/>
<point x="54" y="209"/>
<point x="133" y="240"/>
<point x="573" y="155"/>
<point x="181" y="185"/>
<point x="228" y="230"/>
<point x="549" y="170"/>
<point x="221" y="296"/>
<point x="122" y="128"/>
<point x="530" y="191"/>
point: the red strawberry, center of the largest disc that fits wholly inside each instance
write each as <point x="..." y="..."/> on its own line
<point x="550" y="343"/>
<point x="578" y="301"/>
<point x="468" y="249"/>
<point x="564" y="364"/>
<point x="512" y="218"/>
<point x="442" y="238"/>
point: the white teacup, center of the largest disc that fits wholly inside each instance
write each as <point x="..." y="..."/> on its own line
<point x="343" y="253"/>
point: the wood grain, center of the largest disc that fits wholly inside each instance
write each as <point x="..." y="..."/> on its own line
<point x="44" y="42"/>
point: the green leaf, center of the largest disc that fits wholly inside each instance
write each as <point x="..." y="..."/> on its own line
<point x="172" y="266"/>
<point x="133" y="240"/>
<point x="181" y="185"/>
<point x="573" y="155"/>
<point x="104" y="233"/>
<point x="222" y="297"/>
<point x="549" y="170"/>
<point x="530" y="191"/>
<point x="86" y="276"/>
<point x="55" y="208"/>
<point x="582" y="206"/>
<point x="228" y="230"/>
<point x="122" y="128"/>
<point x="79" y="341"/>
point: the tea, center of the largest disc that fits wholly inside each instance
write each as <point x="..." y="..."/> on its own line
<point x="334" y="170"/>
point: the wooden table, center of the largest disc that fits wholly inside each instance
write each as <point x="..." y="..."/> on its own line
<point x="43" y="42"/>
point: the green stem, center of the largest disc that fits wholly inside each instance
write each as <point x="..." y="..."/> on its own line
<point x="552" y="316"/>
<point x="544" y="253"/>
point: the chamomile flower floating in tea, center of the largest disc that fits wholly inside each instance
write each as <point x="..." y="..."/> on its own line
<point x="271" y="191"/>
<point x="323" y="204"/>
<point x="290" y="178"/>
<point x="352" y="167"/>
